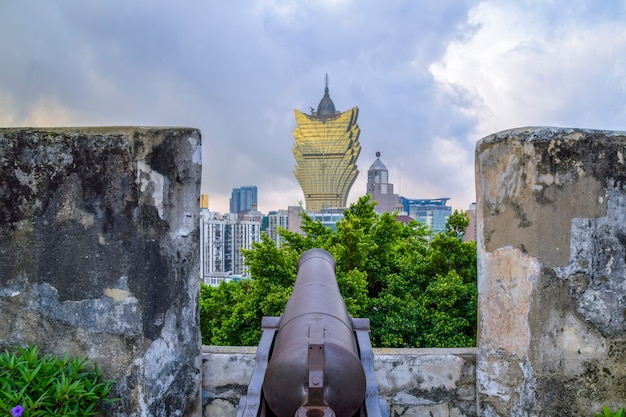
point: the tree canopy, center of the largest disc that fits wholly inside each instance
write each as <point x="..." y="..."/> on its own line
<point x="417" y="291"/>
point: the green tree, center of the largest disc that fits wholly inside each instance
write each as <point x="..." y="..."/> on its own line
<point x="415" y="291"/>
<point x="229" y="314"/>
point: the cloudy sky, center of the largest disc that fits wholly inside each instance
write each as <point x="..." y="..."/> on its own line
<point x="430" y="78"/>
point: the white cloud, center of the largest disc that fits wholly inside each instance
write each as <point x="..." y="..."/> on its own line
<point x="519" y="67"/>
<point x="47" y="112"/>
<point x="450" y="153"/>
<point x="7" y="118"/>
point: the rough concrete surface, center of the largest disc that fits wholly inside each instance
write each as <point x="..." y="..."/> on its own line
<point x="99" y="256"/>
<point x="551" y="251"/>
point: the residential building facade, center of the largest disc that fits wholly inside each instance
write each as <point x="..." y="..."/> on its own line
<point x="277" y="219"/>
<point x="222" y="238"/>
<point x="432" y="212"/>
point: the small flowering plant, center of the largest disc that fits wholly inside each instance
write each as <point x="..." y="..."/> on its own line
<point x="32" y="385"/>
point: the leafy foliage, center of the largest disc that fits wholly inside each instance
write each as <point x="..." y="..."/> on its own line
<point x="32" y="385"/>
<point x="415" y="291"/>
<point x="606" y="412"/>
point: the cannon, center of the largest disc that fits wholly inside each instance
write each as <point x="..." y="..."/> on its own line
<point x="314" y="360"/>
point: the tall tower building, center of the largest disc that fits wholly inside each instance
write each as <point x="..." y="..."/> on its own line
<point x="244" y="199"/>
<point x="379" y="187"/>
<point x="326" y="149"/>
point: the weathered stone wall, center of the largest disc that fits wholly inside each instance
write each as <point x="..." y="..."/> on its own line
<point x="415" y="382"/>
<point x="551" y="216"/>
<point x="99" y="251"/>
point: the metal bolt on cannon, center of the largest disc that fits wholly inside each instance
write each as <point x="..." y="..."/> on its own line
<point x="314" y="360"/>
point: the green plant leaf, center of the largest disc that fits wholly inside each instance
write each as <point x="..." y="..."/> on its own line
<point x="48" y="386"/>
<point x="606" y="412"/>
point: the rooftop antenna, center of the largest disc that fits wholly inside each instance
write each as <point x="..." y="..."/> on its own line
<point x="326" y="83"/>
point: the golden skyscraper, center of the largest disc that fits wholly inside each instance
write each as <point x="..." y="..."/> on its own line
<point x="326" y="149"/>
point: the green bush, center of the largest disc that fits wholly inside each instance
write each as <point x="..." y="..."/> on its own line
<point x="32" y="385"/>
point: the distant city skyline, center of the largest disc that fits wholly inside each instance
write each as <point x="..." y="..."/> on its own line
<point x="388" y="178"/>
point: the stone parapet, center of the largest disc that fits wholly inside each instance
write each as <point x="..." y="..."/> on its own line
<point x="99" y="256"/>
<point x="551" y="219"/>
<point x="414" y="382"/>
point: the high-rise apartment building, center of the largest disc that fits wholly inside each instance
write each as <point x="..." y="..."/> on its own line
<point x="277" y="219"/>
<point x="244" y="199"/>
<point x="247" y="231"/>
<point x="222" y="236"/>
<point x="326" y="149"/>
<point x="379" y="187"/>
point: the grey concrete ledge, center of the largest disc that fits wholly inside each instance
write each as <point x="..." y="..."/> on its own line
<point x="210" y="349"/>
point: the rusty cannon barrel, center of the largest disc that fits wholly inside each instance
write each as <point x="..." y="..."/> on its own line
<point x="315" y="369"/>
<point x="314" y="360"/>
